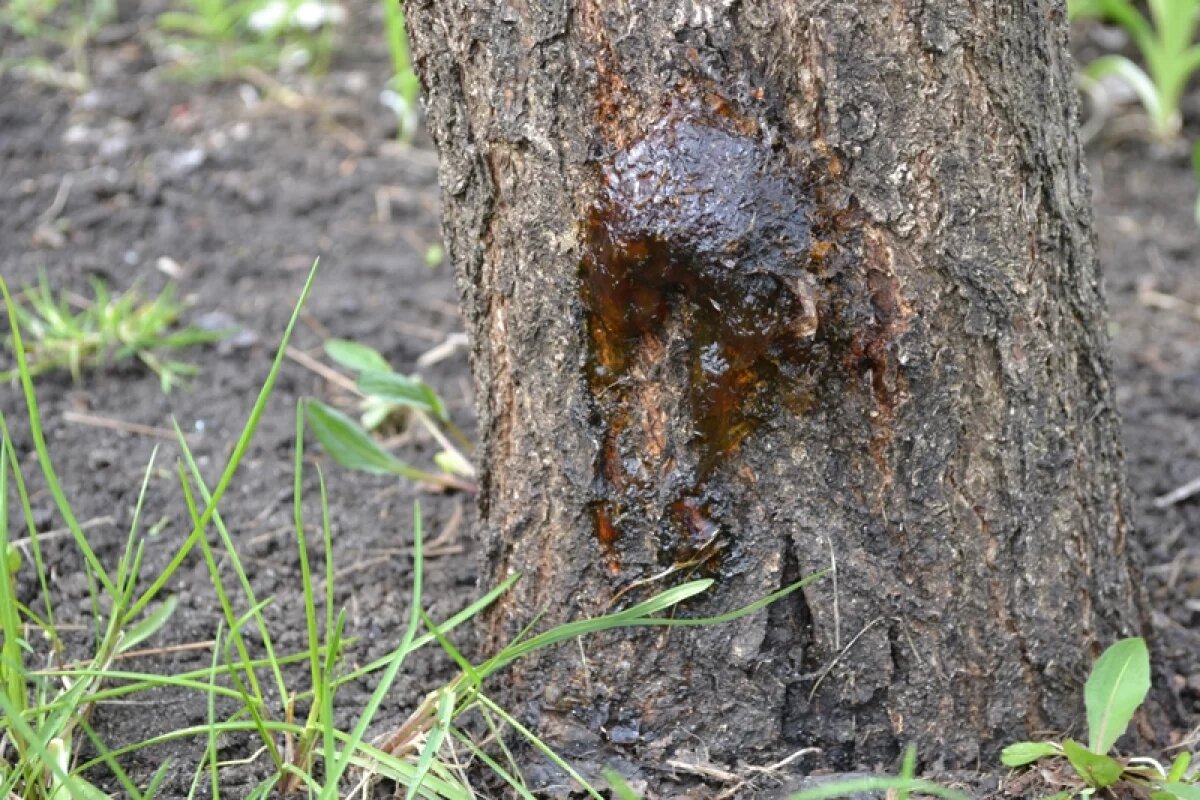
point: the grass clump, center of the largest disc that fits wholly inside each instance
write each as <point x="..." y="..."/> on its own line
<point x="108" y="329"/>
<point x="65" y="25"/>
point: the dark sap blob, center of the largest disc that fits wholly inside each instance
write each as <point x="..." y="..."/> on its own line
<point x="699" y="223"/>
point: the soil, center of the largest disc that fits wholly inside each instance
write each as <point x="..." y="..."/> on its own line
<point x="232" y="193"/>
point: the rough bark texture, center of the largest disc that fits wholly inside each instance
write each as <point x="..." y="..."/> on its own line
<point x="756" y="288"/>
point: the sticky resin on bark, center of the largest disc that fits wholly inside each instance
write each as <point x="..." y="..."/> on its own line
<point x="703" y="248"/>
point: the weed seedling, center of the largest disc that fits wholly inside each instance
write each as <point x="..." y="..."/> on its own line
<point x="69" y="26"/>
<point x="109" y="329"/>
<point x="1115" y="689"/>
<point x="1167" y="42"/>
<point x="385" y="394"/>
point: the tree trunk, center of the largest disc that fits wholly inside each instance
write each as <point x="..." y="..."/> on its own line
<point x="757" y="289"/>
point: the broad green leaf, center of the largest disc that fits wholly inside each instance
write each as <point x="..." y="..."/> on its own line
<point x="402" y="391"/>
<point x="355" y="356"/>
<point x="149" y="625"/>
<point x="351" y="446"/>
<point x="1095" y="769"/>
<point x="1178" y="791"/>
<point x="1118" y="684"/>
<point x="1021" y="753"/>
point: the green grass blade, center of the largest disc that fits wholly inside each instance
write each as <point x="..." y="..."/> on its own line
<point x="42" y="748"/>
<point x="252" y="696"/>
<point x="329" y="689"/>
<point x="853" y="787"/>
<point x="335" y="771"/>
<point x="470" y="612"/>
<point x="638" y="615"/>
<point x="310" y="609"/>
<point x="214" y="778"/>
<point x="239" y="450"/>
<point x="620" y="788"/>
<point x="908" y="770"/>
<point x="433" y="742"/>
<point x="12" y="667"/>
<point x="493" y="765"/>
<point x="156" y="781"/>
<point x="539" y="745"/>
<point x="43" y="455"/>
<point x="235" y="561"/>
<point x="113" y="765"/>
<point x="327" y="542"/>
<point x="468" y="669"/>
<point x="35" y="547"/>
<point x="494" y="730"/>
<point x="333" y="630"/>
<point x="127" y="569"/>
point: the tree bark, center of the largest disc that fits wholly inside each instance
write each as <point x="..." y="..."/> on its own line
<point x="757" y="289"/>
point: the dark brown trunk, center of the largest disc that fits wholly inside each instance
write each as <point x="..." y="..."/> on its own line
<point x="760" y="288"/>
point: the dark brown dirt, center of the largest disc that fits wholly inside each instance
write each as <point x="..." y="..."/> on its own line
<point x="243" y="196"/>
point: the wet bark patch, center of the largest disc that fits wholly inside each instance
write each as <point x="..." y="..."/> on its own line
<point x="709" y="246"/>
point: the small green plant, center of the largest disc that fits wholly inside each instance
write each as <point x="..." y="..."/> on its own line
<point x="66" y="25"/>
<point x="385" y="394"/>
<point x="222" y="39"/>
<point x="1167" y="42"/>
<point x="403" y="92"/>
<point x="1115" y="689"/>
<point x="109" y="329"/>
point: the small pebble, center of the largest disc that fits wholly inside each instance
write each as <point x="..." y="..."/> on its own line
<point x="185" y="162"/>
